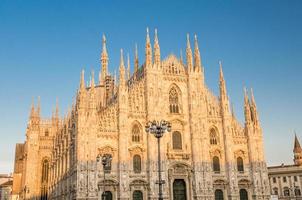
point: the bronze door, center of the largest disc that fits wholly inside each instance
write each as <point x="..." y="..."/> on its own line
<point x="179" y="190"/>
<point x="137" y="195"/>
<point x="243" y="194"/>
<point x="108" y="195"/>
<point x="218" y="195"/>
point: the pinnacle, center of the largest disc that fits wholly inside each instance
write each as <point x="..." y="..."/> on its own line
<point x="297" y="146"/>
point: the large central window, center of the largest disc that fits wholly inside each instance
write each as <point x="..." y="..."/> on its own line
<point x="174" y="101"/>
<point x="136" y="135"/>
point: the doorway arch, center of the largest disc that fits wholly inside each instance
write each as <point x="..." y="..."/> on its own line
<point x="137" y="195"/>
<point x="179" y="190"/>
<point x="243" y="194"/>
<point x="108" y="195"/>
<point x="218" y="194"/>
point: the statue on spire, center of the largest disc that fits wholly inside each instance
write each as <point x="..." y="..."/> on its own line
<point x="156" y="50"/>
<point x="189" y="55"/>
<point x="254" y="111"/>
<point x="122" y="69"/>
<point x="247" y="109"/>
<point x="148" y="50"/>
<point x="104" y="61"/>
<point x="197" y="59"/>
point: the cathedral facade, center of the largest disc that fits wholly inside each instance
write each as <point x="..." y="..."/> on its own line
<point x="207" y="155"/>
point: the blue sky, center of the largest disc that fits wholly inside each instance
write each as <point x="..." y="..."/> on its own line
<point x="45" y="44"/>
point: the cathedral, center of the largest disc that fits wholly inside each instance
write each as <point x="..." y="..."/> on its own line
<point x="207" y="155"/>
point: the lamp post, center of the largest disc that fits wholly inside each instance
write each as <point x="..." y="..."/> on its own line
<point x="106" y="159"/>
<point x="158" y="128"/>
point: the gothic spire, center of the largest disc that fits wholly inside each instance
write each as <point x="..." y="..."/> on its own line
<point x="128" y="67"/>
<point x="122" y="69"/>
<point x="197" y="59"/>
<point x="39" y="106"/>
<point x="104" y="61"/>
<point x="156" y="50"/>
<point x="247" y="109"/>
<point x="136" y="59"/>
<point x="189" y="55"/>
<point x="253" y="98"/>
<point x="148" y="50"/>
<point x="297" y="147"/>
<point x="223" y="93"/>
<point x="254" y="108"/>
<point x="32" y="109"/>
<point x="82" y="82"/>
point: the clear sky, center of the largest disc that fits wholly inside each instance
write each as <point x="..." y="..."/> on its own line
<point x="45" y="44"/>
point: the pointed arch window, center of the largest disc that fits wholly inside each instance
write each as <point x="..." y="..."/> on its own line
<point x="286" y="191"/>
<point x="240" y="166"/>
<point x="174" y="101"/>
<point x="177" y="141"/>
<point x="213" y="137"/>
<point x="45" y="166"/>
<point x="44" y="179"/>
<point x="137" y="164"/>
<point x="216" y="164"/>
<point x="136" y="134"/>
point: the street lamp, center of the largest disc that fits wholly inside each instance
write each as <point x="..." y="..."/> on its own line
<point x="158" y="128"/>
<point x="106" y="159"/>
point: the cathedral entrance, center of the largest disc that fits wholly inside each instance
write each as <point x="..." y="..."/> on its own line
<point x="243" y="194"/>
<point x="137" y="195"/>
<point x="179" y="190"/>
<point x="108" y="195"/>
<point x="218" y="194"/>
